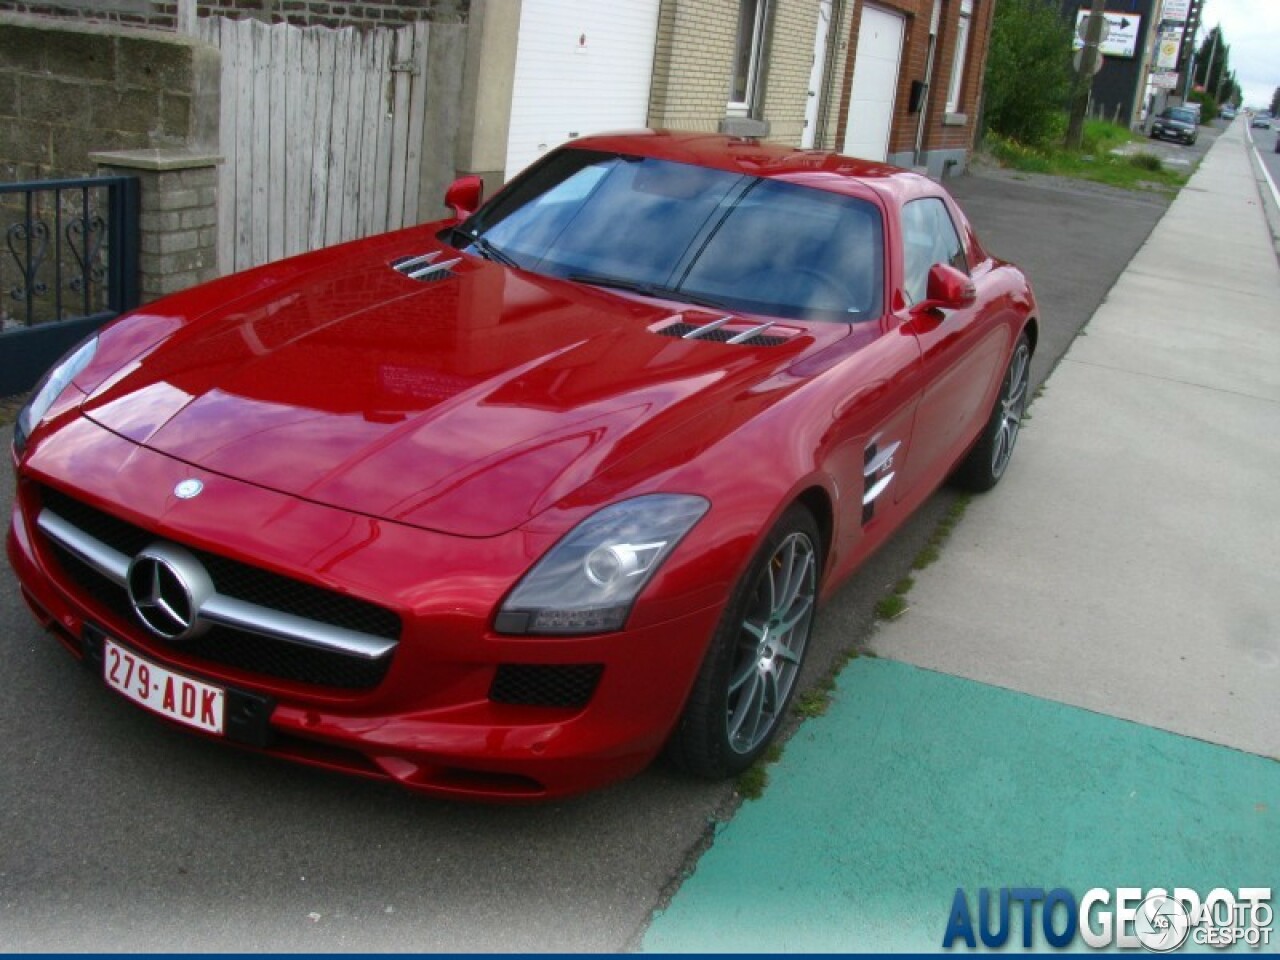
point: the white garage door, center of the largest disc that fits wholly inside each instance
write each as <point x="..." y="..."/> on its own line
<point x="875" y="82"/>
<point x="582" y="66"/>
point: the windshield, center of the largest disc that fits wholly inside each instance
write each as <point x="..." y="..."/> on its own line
<point x="1185" y="116"/>
<point x="727" y="240"/>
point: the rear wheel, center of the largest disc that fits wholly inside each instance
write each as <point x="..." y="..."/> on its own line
<point x="985" y="465"/>
<point x="750" y="671"/>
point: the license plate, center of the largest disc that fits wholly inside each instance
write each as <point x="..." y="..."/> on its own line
<point x="162" y="691"/>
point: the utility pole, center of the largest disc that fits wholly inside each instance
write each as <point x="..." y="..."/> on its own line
<point x="1084" y="79"/>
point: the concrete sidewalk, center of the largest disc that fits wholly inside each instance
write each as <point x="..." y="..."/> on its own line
<point x="1127" y="564"/>
<point x="1128" y="561"/>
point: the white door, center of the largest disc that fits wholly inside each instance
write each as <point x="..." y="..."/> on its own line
<point x="582" y="67"/>
<point x="816" y="73"/>
<point x="875" y="83"/>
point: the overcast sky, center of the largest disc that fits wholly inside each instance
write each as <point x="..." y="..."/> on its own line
<point x="1252" y="28"/>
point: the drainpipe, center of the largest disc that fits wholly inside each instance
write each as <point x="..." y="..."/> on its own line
<point x="928" y="79"/>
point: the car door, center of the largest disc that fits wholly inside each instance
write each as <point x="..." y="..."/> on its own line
<point x="961" y="350"/>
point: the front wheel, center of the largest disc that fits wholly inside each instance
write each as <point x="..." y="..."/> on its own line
<point x="985" y="465"/>
<point x="752" y="665"/>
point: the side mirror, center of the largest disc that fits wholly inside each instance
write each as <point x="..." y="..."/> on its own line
<point x="464" y="195"/>
<point x="948" y="289"/>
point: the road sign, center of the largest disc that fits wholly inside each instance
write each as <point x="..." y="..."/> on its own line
<point x="1082" y="27"/>
<point x="1078" y="59"/>
<point x="1176" y="10"/>
<point x="1165" y="80"/>
<point x="1122" y="33"/>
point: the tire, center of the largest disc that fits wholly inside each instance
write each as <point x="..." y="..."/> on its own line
<point x="749" y="673"/>
<point x="985" y="464"/>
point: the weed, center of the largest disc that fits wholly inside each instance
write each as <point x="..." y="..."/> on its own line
<point x="753" y="780"/>
<point x="811" y="703"/>
<point x="903" y="586"/>
<point x="1147" y="161"/>
<point x="890" y="607"/>
<point x="927" y="557"/>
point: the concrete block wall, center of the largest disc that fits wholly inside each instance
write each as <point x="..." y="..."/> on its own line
<point x="790" y="48"/>
<point x="69" y="89"/>
<point x="306" y="13"/>
<point x="693" y="65"/>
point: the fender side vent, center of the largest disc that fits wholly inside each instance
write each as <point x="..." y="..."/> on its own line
<point x="426" y="268"/>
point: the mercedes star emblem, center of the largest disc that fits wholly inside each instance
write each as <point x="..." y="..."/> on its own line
<point x="167" y="587"/>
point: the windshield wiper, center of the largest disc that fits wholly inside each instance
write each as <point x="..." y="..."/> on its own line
<point x="486" y="248"/>
<point x="647" y="289"/>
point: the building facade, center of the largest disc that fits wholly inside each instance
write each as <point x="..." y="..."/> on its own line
<point x="895" y="80"/>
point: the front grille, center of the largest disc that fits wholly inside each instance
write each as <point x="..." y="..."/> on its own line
<point x="720" y="335"/>
<point x="229" y="646"/>
<point x="545" y="685"/>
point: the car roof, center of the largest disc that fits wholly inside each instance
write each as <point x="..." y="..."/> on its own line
<point x="821" y="169"/>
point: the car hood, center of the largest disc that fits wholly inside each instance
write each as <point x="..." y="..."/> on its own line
<point x="466" y="403"/>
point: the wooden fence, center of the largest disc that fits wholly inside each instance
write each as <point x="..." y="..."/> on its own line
<point x="322" y="134"/>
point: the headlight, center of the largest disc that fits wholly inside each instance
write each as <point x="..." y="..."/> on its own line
<point x="49" y="388"/>
<point x="588" y="581"/>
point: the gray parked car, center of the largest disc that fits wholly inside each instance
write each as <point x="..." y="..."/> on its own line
<point x="1175" y="123"/>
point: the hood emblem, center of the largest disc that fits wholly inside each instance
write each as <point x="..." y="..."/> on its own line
<point x="188" y="489"/>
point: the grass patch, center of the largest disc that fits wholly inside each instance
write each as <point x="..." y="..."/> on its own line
<point x="1095" y="161"/>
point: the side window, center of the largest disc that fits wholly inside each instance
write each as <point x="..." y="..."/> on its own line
<point x="928" y="237"/>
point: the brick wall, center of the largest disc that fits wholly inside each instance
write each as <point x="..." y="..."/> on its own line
<point x="67" y="90"/>
<point x="943" y="132"/>
<point x="162" y="15"/>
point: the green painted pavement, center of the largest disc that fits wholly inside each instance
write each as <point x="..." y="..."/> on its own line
<point x="915" y="783"/>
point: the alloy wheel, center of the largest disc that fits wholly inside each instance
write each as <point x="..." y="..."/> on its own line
<point x="1013" y="403"/>
<point x="771" y="643"/>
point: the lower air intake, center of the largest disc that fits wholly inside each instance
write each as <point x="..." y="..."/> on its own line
<point x="545" y="685"/>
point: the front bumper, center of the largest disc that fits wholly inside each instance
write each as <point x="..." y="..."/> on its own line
<point x="1174" y="133"/>
<point x="432" y="723"/>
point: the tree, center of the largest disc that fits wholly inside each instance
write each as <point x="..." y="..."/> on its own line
<point x="1213" y="62"/>
<point x="1028" y="70"/>
<point x="1275" y="102"/>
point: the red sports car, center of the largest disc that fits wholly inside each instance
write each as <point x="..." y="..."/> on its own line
<point x="503" y="506"/>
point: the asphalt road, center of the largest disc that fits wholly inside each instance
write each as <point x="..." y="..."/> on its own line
<point x="120" y="834"/>
<point x="1265" y="141"/>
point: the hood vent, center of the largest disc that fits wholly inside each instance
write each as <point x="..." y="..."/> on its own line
<point x="426" y="268"/>
<point x="752" y="336"/>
